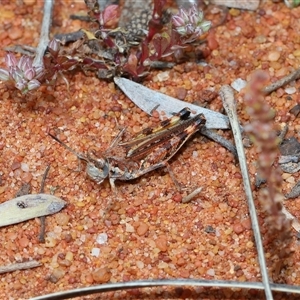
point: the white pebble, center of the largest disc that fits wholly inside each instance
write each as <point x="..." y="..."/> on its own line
<point x="101" y="238"/>
<point x="238" y="84"/>
<point x="140" y="264"/>
<point x="24" y="167"/>
<point x="290" y="90"/>
<point x="211" y="272"/>
<point x="129" y="228"/>
<point x="162" y="76"/>
<point x="95" y="252"/>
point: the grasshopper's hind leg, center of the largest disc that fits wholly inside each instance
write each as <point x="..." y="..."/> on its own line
<point x="179" y="186"/>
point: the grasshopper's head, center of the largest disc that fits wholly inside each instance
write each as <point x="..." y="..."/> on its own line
<point x="97" y="167"/>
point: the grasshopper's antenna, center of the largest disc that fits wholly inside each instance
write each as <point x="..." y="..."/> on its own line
<point x="79" y="156"/>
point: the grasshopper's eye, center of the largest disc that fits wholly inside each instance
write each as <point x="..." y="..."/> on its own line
<point x="97" y="167"/>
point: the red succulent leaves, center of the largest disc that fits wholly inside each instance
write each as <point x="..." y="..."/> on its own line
<point x="109" y="18"/>
<point x="108" y="50"/>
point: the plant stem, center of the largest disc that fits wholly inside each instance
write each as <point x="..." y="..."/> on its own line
<point x="44" y="36"/>
<point x="227" y="97"/>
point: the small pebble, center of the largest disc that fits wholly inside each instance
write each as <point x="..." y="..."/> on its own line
<point x="163" y="76"/>
<point x="281" y="72"/>
<point x="102" y="238"/>
<point x="260" y="39"/>
<point x="238" y="228"/>
<point x="285" y="176"/>
<point x="142" y="229"/>
<point x="15" y="33"/>
<point x="62" y="219"/>
<point x="290" y="179"/>
<point x="64" y="262"/>
<point x="161" y="243"/>
<point x="210" y="272"/>
<point x="273" y="55"/>
<point x="101" y="275"/>
<point x="181" y="262"/>
<point x="238" y="84"/>
<point x="29" y="2"/>
<point x="234" y="12"/>
<point x="15" y="165"/>
<point x="140" y="264"/>
<point x="24" y="167"/>
<point x="212" y="43"/>
<point x="69" y="256"/>
<point x="177" y="197"/>
<point x="181" y="93"/>
<point x="50" y="242"/>
<point x="95" y="252"/>
<point x="2" y="189"/>
<point x="56" y="275"/>
<point x="129" y="228"/>
<point x="290" y="90"/>
<point x="296" y="53"/>
<point x="26" y="177"/>
<point x="24" y="242"/>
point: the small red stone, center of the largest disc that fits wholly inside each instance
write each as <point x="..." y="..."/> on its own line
<point x="212" y="42"/>
<point x="238" y="228"/>
<point x="177" y="198"/>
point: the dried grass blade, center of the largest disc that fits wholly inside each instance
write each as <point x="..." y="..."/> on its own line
<point x="147" y="99"/>
<point x="227" y="97"/>
<point x="44" y="36"/>
<point x="28" y="207"/>
<point x="19" y="266"/>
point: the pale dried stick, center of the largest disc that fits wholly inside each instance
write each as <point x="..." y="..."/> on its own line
<point x="250" y="4"/>
<point x="44" y="36"/>
<point x="227" y="96"/>
<point x="190" y="196"/>
<point x="43" y="218"/>
<point x="281" y="82"/>
<point x="23" y="49"/>
<point x="20" y="266"/>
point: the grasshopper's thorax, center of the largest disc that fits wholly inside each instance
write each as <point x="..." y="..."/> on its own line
<point x="97" y="167"/>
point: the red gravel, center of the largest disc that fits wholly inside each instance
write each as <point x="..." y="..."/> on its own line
<point x="150" y="233"/>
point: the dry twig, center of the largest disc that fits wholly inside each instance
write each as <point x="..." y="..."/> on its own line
<point x="190" y="196"/>
<point x="44" y="36"/>
<point x="281" y="82"/>
<point x="19" y="266"/>
<point x="43" y="218"/>
<point x="227" y="97"/>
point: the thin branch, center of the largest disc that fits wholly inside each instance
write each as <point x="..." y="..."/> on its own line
<point x="220" y="140"/>
<point x="44" y="36"/>
<point x="190" y="196"/>
<point x="19" y="266"/>
<point x="43" y="218"/>
<point x="281" y="82"/>
<point x="23" y="49"/>
<point x="227" y="97"/>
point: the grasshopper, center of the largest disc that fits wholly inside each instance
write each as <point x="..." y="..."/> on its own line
<point x="151" y="149"/>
